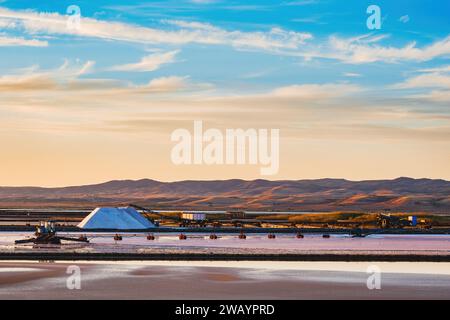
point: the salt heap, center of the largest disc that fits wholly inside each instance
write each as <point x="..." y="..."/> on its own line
<point x="115" y="218"/>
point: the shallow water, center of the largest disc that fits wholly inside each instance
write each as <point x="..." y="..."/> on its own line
<point x="260" y="241"/>
<point x="224" y="280"/>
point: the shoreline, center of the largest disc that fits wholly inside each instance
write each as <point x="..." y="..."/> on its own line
<point x="71" y="256"/>
<point x="68" y="229"/>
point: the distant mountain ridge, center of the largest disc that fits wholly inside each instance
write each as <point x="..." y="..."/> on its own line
<point x="318" y="194"/>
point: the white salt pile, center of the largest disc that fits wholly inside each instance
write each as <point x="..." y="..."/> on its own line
<point x="115" y="218"/>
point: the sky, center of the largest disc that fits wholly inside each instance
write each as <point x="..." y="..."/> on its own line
<point x="97" y="98"/>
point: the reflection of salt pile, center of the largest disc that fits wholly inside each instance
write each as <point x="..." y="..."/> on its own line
<point x="115" y="218"/>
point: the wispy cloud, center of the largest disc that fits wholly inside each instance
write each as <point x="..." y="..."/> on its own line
<point x="66" y="81"/>
<point x="312" y="91"/>
<point x="54" y="23"/>
<point x="300" y="2"/>
<point x="352" y="75"/>
<point x="404" y="19"/>
<point x="167" y="84"/>
<point x="366" y="50"/>
<point x="428" y="80"/>
<point x="203" y="1"/>
<point x="148" y="63"/>
<point x="438" y="79"/>
<point x="6" y="41"/>
<point x="86" y="68"/>
<point x="361" y="49"/>
<point x="314" y="19"/>
<point x="35" y="79"/>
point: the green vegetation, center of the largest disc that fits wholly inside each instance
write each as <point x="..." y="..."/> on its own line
<point x="351" y="218"/>
<point x="331" y="218"/>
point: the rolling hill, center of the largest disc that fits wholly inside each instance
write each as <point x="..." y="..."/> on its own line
<point x="401" y="194"/>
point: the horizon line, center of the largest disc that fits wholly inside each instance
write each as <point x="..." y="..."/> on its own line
<point x="217" y="180"/>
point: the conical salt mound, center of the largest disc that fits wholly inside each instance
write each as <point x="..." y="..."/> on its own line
<point x="115" y="218"/>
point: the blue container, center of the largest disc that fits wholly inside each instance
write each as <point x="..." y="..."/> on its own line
<point x="413" y="220"/>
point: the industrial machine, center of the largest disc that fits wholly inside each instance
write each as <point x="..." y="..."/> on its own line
<point x="388" y="221"/>
<point x="46" y="234"/>
<point x="147" y="212"/>
<point x="358" y="233"/>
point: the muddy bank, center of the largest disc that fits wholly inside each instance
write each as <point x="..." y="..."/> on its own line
<point x="69" y="256"/>
<point x="137" y="281"/>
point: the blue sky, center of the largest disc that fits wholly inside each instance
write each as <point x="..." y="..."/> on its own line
<point x="310" y="67"/>
<point x="427" y="24"/>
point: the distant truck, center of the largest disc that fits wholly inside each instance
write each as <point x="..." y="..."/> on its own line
<point x="388" y="221"/>
<point x="236" y="214"/>
<point x="193" y="216"/>
<point x="193" y="219"/>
